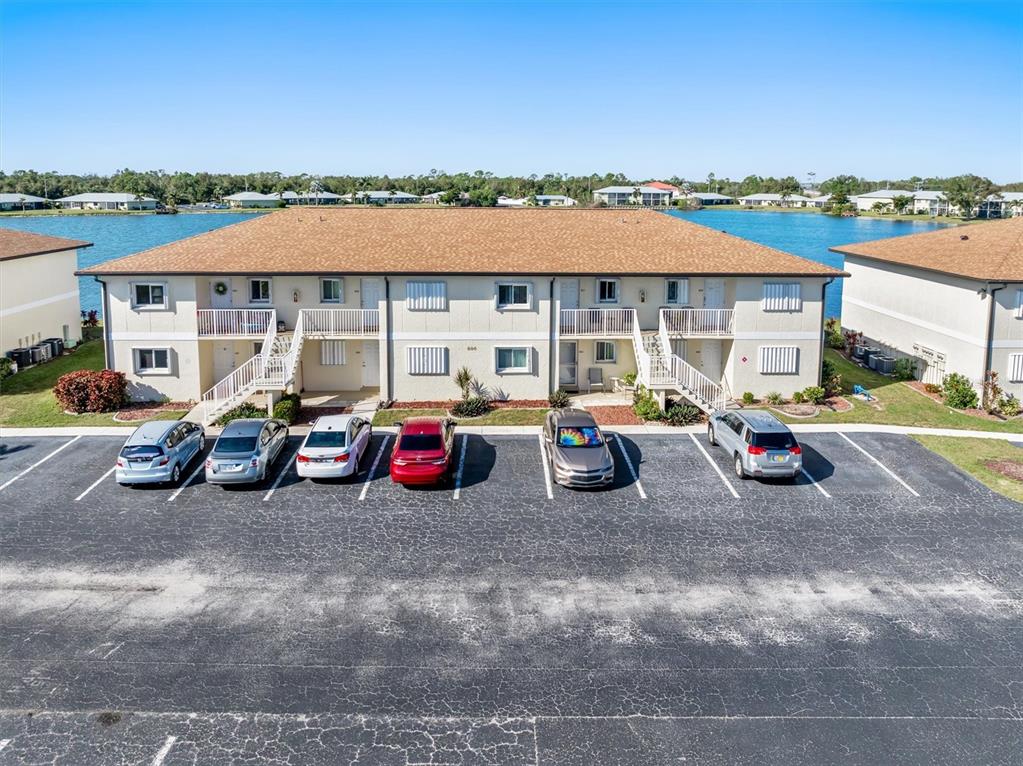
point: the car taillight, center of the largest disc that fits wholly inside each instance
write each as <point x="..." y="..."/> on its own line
<point x="400" y="462"/>
<point x="254" y="462"/>
<point x="302" y="458"/>
<point x="341" y="458"/>
<point x="120" y="462"/>
<point x="209" y="463"/>
<point x="797" y="450"/>
<point x="442" y="461"/>
<point x="755" y="450"/>
<point x="164" y="460"/>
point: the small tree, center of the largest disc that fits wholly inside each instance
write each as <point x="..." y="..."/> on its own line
<point x="463" y="379"/>
<point x="900" y="202"/>
<point x="992" y="392"/>
<point x="967" y="193"/>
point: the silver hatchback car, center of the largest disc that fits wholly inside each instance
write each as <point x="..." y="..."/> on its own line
<point x="158" y="452"/>
<point x="759" y="443"/>
<point x="245" y="450"/>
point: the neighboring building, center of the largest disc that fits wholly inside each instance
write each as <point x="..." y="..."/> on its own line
<point x="251" y="199"/>
<point x="16" y="201"/>
<point x="319" y="198"/>
<point x="952" y="299"/>
<point x="287" y="197"/>
<point x="530" y="300"/>
<point x="504" y="201"/>
<point x="819" y="201"/>
<point x="675" y="191"/>
<point x="38" y="289"/>
<point x="931" y="203"/>
<point x="1003" y="205"/>
<point x="774" y="200"/>
<point x="107" y="201"/>
<point x="552" y="200"/>
<point x="709" y="198"/>
<point x="390" y="197"/>
<point x="632" y="196"/>
<point x="865" y="202"/>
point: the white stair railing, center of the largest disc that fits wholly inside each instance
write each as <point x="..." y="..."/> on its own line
<point x="642" y="357"/>
<point x="691" y="380"/>
<point x="237" y="385"/>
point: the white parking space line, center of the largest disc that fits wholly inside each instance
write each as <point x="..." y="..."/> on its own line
<point x="189" y="480"/>
<point x="814" y="482"/>
<point x="280" y="476"/>
<point x="632" y="468"/>
<point x="38" y="463"/>
<point x="373" y="468"/>
<point x="461" y="467"/>
<point x="880" y="465"/>
<point x="163" y="751"/>
<point x="4" y="743"/>
<point x="546" y="468"/>
<point x="96" y="483"/>
<point x="714" y="465"/>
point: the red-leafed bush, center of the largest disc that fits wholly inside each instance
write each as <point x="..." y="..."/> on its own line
<point x="91" y="391"/>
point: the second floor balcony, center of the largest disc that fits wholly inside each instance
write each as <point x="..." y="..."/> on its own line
<point x="607" y="323"/>
<point x="254" y="323"/>
<point x="699" y="323"/>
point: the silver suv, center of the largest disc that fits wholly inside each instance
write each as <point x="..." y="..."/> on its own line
<point x="759" y="443"/>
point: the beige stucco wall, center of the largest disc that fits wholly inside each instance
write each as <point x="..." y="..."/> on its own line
<point x="39" y="299"/>
<point x="319" y="377"/>
<point x="1007" y="337"/>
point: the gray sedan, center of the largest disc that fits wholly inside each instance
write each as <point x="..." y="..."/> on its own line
<point x="158" y="452"/>
<point x="577" y="450"/>
<point x="245" y="450"/>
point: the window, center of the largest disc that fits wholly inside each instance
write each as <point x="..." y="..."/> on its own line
<point x="332" y="290"/>
<point x="514" y="295"/>
<point x="579" y="436"/>
<point x="332" y="353"/>
<point x="259" y="291"/>
<point x="426" y="296"/>
<point x="149" y="295"/>
<point x="778" y="360"/>
<point x="607" y="291"/>
<point x="426" y="360"/>
<point x="782" y="296"/>
<point x="604" y="351"/>
<point x="676" y="291"/>
<point x="152" y="360"/>
<point x="513" y="359"/>
<point x="1015" y="368"/>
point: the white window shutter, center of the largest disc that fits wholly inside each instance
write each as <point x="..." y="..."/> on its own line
<point x="782" y="296"/>
<point x="1019" y="304"/>
<point x="778" y="360"/>
<point x="332" y="353"/>
<point x="1015" y="368"/>
<point x="427" y="360"/>
<point x="426" y="296"/>
<point x="683" y="292"/>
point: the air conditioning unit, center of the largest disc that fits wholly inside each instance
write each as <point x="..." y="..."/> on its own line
<point x="883" y="364"/>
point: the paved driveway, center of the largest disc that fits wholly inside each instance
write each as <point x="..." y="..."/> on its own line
<point x="869" y="612"/>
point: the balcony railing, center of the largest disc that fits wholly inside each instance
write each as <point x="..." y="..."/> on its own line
<point x="699" y="323"/>
<point x="342" y="322"/>
<point x="597" y="322"/>
<point x="245" y="322"/>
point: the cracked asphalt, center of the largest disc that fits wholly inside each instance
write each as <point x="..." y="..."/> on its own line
<point x="839" y="618"/>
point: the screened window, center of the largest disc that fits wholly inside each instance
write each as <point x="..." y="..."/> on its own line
<point x="332" y="290"/>
<point x="513" y="295"/>
<point x="513" y="359"/>
<point x="604" y="351"/>
<point x="149" y="295"/>
<point x="782" y="296"/>
<point x="426" y="296"/>
<point x="607" y="291"/>
<point x="259" y="291"/>
<point x="676" y="291"/>
<point x="152" y="360"/>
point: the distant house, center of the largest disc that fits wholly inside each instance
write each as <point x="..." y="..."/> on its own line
<point x="675" y="191"/>
<point x="1004" y="205"/>
<point x="647" y="196"/>
<point x="288" y="197"/>
<point x="865" y="202"/>
<point x="774" y="200"/>
<point x="390" y="197"/>
<point x="709" y="198"/>
<point x="15" y="201"/>
<point x="107" y="201"/>
<point x="819" y="201"/>
<point x="931" y="203"/>
<point x="553" y="200"/>
<point x="249" y="199"/>
<point x="506" y="201"/>
<point x="319" y="198"/>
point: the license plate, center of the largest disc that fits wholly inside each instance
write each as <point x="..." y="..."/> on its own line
<point x="778" y="458"/>
<point x="323" y="459"/>
<point x="231" y="467"/>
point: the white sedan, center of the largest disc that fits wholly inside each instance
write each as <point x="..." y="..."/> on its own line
<point x="334" y="447"/>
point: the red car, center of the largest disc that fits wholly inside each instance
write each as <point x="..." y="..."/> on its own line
<point x="424" y="451"/>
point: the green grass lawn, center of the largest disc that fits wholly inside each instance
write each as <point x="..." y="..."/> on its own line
<point x="899" y="404"/>
<point x="972" y="454"/>
<point x="26" y="399"/>
<point x="501" y="417"/>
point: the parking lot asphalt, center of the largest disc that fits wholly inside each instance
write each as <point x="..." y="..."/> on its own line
<point x="871" y="611"/>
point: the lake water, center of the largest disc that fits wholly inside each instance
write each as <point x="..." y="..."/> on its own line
<point x="806" y="234"/>
<point x="114" y="236"/>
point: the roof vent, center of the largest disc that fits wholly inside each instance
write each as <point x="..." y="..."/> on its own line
<point x="964" y="237"/>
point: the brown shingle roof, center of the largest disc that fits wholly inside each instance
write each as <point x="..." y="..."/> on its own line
<point x="21" y="244"/>
<point x="990" y="251"/>
<point x="463" y="241"/>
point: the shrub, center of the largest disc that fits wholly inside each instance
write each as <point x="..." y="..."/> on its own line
<point x="559" y="399"/>
<point x="815" y="394"/>
<point x="992" y="392"/>
<point x="288" y="407"/>
<point x="773" y="397"/>
<point x="645" y="406"/>
<point x="932" y="388"/>
<point x="748" y="398"/>
<point x="472" y="407"/>
<point x="798" y="398"/>
<point x="958" y="392"/>
<point x="831" y="381"/>
<point x="91" y="391"/>
<point x="463" y="379"/>
<point x="680" y="414"/>
<point x="833" y="333"/>
<point x="6" y="368"/>
<point x="905" y="369"/>
<point x="629" y="378"/>
<point x="1009" y="406"/>
<point x="243" y="410"/>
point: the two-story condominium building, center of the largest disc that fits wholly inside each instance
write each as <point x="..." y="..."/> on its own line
<point x="647" y="196"/>
<point x="951" y="299"/>
<point x="391" y="302"/>
<point x="38" y="289"/>
<point x="107" y="201"/>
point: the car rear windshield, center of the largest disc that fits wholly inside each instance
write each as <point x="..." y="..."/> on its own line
<point x="141" y="450"/>
<point x="579" y="436"/>
<point x="421" y="442"/>
<point x="774" y="440"/>
<point x="229" y="444"/>
<point x="326" y="439"/>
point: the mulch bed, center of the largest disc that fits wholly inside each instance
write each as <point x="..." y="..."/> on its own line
<point x="917" y="386"/>
<point x="615" y="415"/>
<point x="1010" y="469"/>
<point x="513" y="404"/>
<point x="307" y="415"/>
<point x="147" y="410"/>
<point x="838" y="404"/>
<point x="797" y="410"/>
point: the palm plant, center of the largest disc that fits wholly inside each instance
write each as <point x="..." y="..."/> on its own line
<point x="463" y="379"/>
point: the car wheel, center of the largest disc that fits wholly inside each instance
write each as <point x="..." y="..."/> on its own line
<point x="710" y="436"/>
<point x="739" y="470"/>
<point x="202" y="443"/>
<point x="176" y="474"/>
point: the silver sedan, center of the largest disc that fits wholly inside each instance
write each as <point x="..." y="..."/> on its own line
<point x="245" y="451"/>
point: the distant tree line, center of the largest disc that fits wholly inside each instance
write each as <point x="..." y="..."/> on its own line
<point x="479" y="188"/>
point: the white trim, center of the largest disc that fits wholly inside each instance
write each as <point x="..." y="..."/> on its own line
<point x="527" y="370"/>
<point x="779" y="335"/>
<point x="497" y="336"/>
<point x="36" y="304"/>
<point x="914" y="321"/>
<point x="152" y="336"/>
<point x="1007" y="344"/>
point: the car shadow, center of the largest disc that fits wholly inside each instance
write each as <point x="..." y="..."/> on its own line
<point x="480" y="459"/>
<point x="623" y="476"/>
<point x="815" y="464"/>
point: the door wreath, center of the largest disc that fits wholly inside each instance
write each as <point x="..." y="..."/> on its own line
<point x="220" y="288"/>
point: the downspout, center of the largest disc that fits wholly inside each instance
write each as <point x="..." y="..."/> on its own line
<point x="388" y="340"/>
<point x="820" y="356"/>
<point x="552" y="350"/>
<point x="108" y="348"/>
<point x="989" y="339"/>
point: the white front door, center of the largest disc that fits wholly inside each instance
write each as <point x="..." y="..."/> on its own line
<point x="569" y="293"/>
<point x="710" y="356"/>
<point x="220" y="300"/>
<point x="369" y="294"/>
<point x="714" y="294"/>
<point x="223" y="360"/>
<point x="370" y="362"/>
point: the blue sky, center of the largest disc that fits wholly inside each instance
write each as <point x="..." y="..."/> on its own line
<point x="653" y="90"/>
